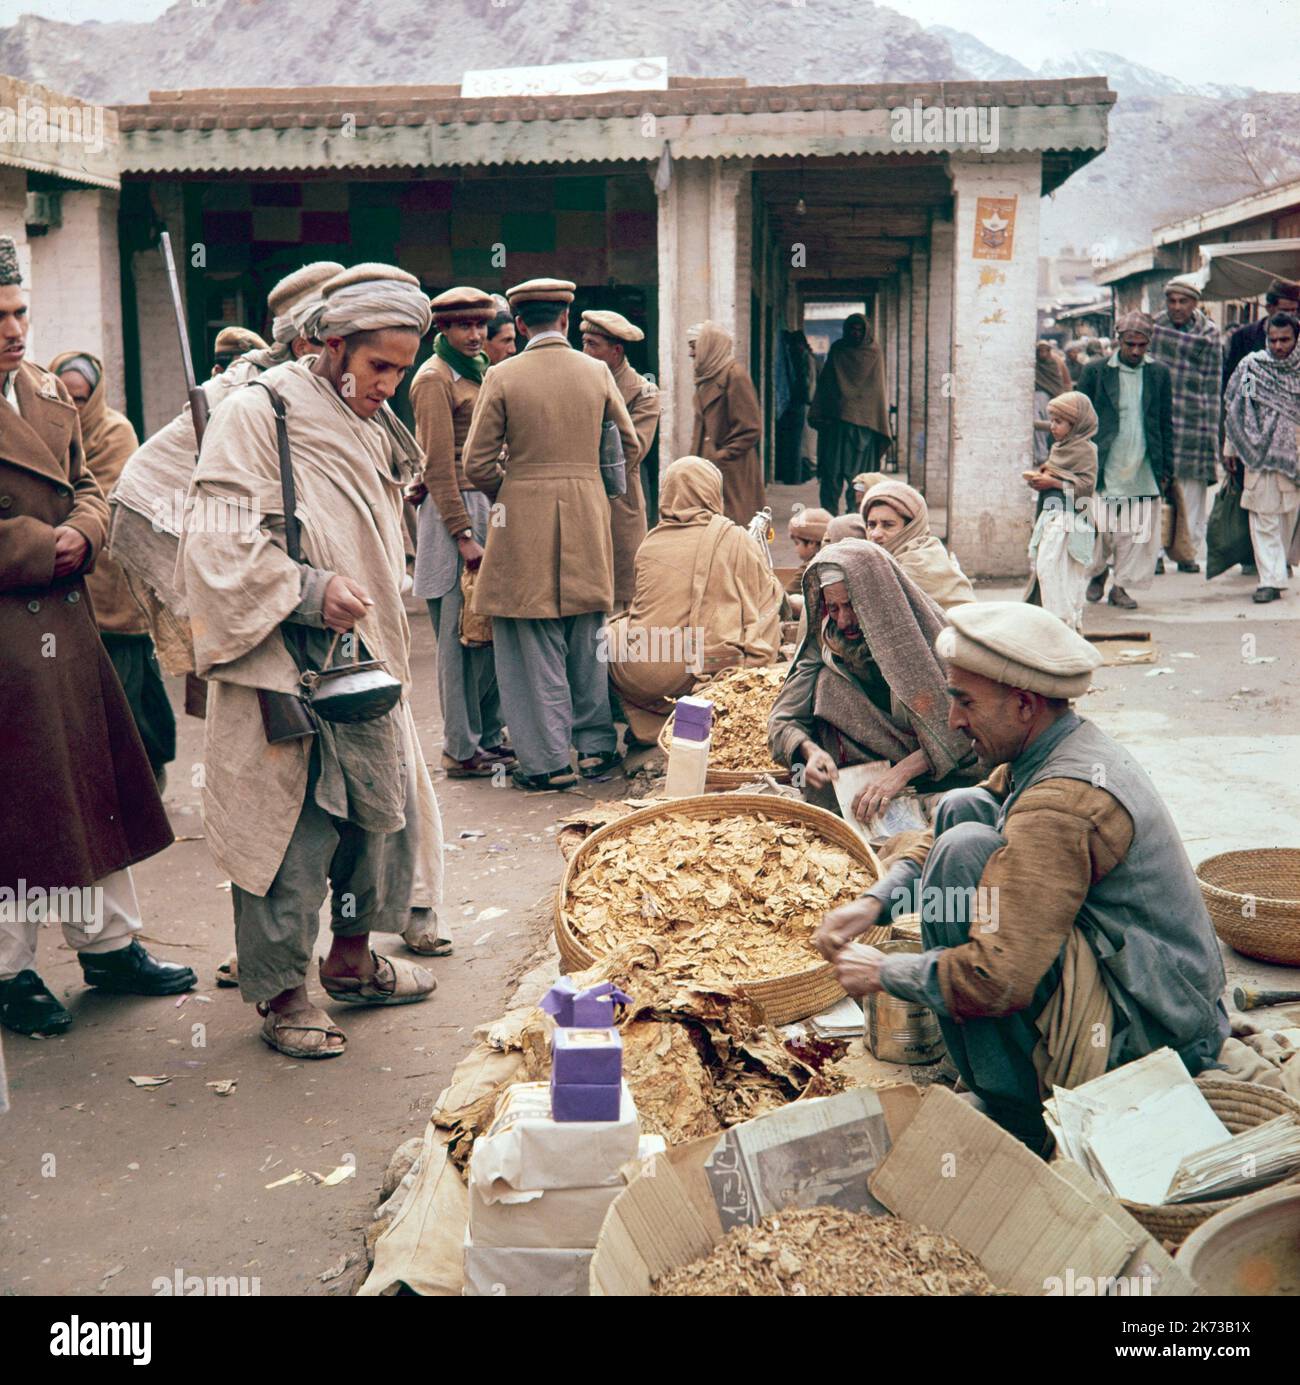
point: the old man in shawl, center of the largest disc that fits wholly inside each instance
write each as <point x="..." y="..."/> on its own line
<point x="865" y="685"/>
<point x="1262" y="423"/>
<point x="109" y="440"/>
<point x="728" y="420"/>
<point x="898" y="519"/>
<point x="705" y="600"/>
<point x="1063" y="929"/>
<point x="850" y="413"/>
<point x="1060" y="547"/>
<point x="1187" y="341"/>
<point x="335" y="811"/>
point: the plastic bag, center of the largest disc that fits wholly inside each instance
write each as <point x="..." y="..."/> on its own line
<point x="1227" y="537"/>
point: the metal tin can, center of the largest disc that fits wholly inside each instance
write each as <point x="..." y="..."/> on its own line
<point x="900" y="1031"/>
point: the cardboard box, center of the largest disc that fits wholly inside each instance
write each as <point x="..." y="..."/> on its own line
<point x="572" y="1104"/>
<point x="526" y="1148"/>
<point x="496" y="1272"/>
<point x="587" y="1058"/>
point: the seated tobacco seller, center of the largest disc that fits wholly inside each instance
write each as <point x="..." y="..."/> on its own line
<point x="866" y="685"/>
<point x="1063" y="929"/>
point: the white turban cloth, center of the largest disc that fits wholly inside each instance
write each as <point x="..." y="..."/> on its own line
<point x="369" y="307"/>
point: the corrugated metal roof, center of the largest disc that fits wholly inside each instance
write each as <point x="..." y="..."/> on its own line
<point x="341" y="128"/>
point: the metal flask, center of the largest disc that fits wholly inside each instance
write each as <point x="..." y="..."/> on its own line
<point x="353" y="692"/>
<point x="900" y="1031"/>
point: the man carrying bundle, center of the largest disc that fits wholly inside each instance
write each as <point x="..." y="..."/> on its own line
<point x="1063" y="927"/>
<point x="334" y="812"/>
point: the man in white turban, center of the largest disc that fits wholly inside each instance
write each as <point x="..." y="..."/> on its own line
<point x="1063" y="928"/>
<point x="345" y="809"/>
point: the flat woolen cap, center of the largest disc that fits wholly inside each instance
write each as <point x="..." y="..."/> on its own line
<point x="296" y="286"/>
<point x="1020" y="645"/>
<point x="238" y="340"/>
<point x="464" y="302"/>
<point x="1184" y="283"/>
<point x="541" y="291"/>
<point x="612" y="325"/>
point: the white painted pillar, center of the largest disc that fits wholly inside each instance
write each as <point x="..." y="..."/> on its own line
<point x="938" y="419"/>
<point x="919" y="362"/>
<point x="990" y="512"/>
<point x="76" y="279"/>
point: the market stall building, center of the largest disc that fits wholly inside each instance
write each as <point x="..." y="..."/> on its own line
<point x="705" y="198"/>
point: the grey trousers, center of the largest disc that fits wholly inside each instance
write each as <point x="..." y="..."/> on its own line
<point x="554" y="689"/>
<point x="367" y="877"/>
<point x="467" y="683"/>
<point x="843" y="450"/>
<point x="993" y="1056"/>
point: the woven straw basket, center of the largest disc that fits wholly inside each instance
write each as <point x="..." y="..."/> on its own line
<point x="724" y="778"/>
<point x="783" y="999"/>
<point x="1240" y="1106"/>
<point x="1254" y="899"/>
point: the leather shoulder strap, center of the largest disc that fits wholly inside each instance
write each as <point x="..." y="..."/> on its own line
<point x="292" y="533"/>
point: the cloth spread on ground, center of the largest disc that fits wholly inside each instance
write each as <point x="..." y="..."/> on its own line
<point x="851" y="388"/>
<point x="915" y="549"/>
<point x="1262" y="412"/>
<point x="1193" y="356"/>
<point x="697" y="575"/>
<point x="240" y="585"/>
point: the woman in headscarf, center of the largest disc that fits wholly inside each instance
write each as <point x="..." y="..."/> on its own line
<point x="1060" y="548"/>
<point x="866" y="685"/>
<point x="728" y="420"/>
<point x="898" y="519"/>
<point x="109" y="440"/>
<point x="849" y="412"/>
<point x="705" y="600"/>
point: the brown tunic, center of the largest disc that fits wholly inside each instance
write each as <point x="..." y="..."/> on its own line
<point x="443" y="404"/>
<point x="627" y="521"/>
<point x="728" y="423"/>
<point x="77" y="795"/>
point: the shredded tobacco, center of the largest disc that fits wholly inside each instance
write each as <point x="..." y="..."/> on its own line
<point x="742" y="702"/>
<point x="828" y="1251"/>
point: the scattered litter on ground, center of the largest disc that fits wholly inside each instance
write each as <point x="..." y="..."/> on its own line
<point x="109" y="1274"/>
<point x="148" y="1081"/>
<point x="1157" y="672"/>
<point x="335" y="1270"/>
<point x="224" y="1087"/>
<point x="490" y="913"/>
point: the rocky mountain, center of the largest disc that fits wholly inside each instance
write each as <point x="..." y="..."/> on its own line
<point x="1174" y="147"/>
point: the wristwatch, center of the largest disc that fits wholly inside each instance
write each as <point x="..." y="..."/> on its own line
<point x="464" y="534"/>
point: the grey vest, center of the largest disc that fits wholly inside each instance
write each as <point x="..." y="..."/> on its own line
<point x="1146" y="920"/>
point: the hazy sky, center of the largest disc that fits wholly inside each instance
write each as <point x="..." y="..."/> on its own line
<point x="1251" y="44"/>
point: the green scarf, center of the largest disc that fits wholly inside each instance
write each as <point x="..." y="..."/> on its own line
<point x="473" y="366"/>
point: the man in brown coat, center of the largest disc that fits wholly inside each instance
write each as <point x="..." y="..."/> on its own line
<point x="728" y="421"/>
<point x="604" y="336"/>
<point x="79" y="800"/>
<point x="453" y="521"/>
<point x="548" y="568"/>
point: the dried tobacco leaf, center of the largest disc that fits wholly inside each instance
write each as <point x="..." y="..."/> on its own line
<point x="828" y="1251"/>
<point x="742" y="702"/>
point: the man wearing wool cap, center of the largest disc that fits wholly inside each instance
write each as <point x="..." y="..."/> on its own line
<point x="345" y="809"/>
<point x="606" y="335"/>
<point x="1063" y="929"/>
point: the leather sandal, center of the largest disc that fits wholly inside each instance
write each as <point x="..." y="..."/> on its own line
<point x="557" y="779"/>
<point x="421" y="934"/>
<point x="316" y="1027"/>
<point x="394" y="982"/>
<point x="598" y="762"/>
<point x="228" y="971"/>
<point x="478" y="766"/>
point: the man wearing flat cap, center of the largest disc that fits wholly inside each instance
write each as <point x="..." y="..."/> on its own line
<point x="605" y="336"/>
<point x="77" y="795"/>
<point x="231" y="344"/>
<point x="453" y="524"/>
<point x="1186" y="340"/>
<point x="1063" y="929"/>
<point x="548" y="567"/>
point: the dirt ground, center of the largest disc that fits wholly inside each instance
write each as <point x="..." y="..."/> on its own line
<point x="108" y="1187"/>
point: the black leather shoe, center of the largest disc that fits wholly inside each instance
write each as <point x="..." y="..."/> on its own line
<point x="27" y="1007"/>
<point x="1160" y="567"/>
<point x="1263" y="594"/>
<point x="131" y="970"/>
<point x="1096" y="587"/>
<point x="1249" y="570"/>
<point x="1189" y="567"/>
<point x="1119" y="597"/>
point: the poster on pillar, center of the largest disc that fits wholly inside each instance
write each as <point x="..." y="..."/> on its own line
<point x="995" y="228"/>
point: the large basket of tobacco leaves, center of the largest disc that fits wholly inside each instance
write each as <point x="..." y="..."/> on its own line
<point x="742" y="699"/>
<point x="727" y="890"/>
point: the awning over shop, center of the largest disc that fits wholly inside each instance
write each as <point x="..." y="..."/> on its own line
<point x="1245" y="268"/>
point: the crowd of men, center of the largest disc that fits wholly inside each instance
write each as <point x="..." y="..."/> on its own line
<point x="516" y="512"/>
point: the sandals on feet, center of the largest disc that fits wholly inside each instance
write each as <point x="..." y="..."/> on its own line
<point x="421" y="934"/>
<point x="598" y="762"/>
<point x="228" y="971"/>
<point x="557" y="779"/>
<point x="316" y="1027"/>
<point x="394" y="982"/>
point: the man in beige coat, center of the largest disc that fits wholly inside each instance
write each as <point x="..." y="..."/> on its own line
<point x="547" y="578"/>
<point x="604" y="336"/>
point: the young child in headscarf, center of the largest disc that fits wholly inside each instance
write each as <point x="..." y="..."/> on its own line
<point x="1060" y="548"/>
